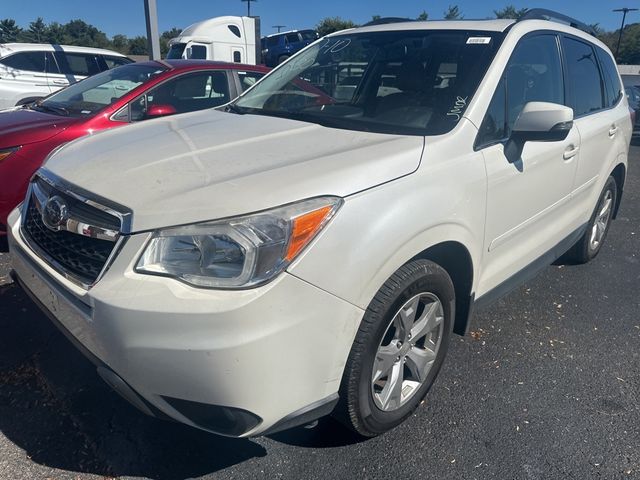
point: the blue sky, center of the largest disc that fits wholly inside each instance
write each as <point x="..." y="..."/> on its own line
<point x="127" y="16"/>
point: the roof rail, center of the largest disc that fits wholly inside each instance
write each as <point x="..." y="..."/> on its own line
<point x="385" y="20"/>
<point x="544" y="14"/>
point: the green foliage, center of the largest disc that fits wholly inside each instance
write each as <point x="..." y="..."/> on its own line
<point x="138" y="46"/>
<point x="510" y="12"/>
<point x="629" y="46"/>
<point x="375" y="17"/>
<point x="423" y="16"/>
<point x="9" y="31"/>
<point x="453" y="13"/>
<point x="165" y="37"/>
<point x="333" y="24"/>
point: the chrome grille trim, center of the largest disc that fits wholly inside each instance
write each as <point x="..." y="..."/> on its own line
<point x="87" y="217"/>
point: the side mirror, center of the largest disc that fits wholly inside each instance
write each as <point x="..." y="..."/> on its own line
<point x="538" y="122"/>
<point x="543" y="122"/>
<point x="160" y="111"/>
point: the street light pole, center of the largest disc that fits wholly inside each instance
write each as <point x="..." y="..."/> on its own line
<point x="279" y="27"/>
<point x="153" y="39"/>
<point x="624" y="11"/>
<point x="249" y="6"/>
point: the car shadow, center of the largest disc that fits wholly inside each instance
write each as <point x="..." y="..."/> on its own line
<point x="327" y="433"/>
<point x="54" y="406"/>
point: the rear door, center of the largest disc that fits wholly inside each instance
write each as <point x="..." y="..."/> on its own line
<point x="527" y="201"/>
<point x="594" y="118"/>
<point x="74" y="66"/>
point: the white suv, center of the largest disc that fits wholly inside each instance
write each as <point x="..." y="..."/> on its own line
<point x="250" y="271"/>
<point x="30" y="71"/>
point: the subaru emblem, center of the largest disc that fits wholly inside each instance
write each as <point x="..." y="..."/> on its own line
<point x="55" y="213"/>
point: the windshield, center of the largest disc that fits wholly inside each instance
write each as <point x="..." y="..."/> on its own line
<point x="176" y="51"/>
<point x="99" y="91"/>
<point x="405" y="82"/>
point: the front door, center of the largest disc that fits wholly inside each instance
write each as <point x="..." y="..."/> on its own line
<point x="527" y="199"/>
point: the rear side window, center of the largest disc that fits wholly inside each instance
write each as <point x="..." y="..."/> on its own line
<point x="533" y="74"/>
<point x="292" y="38"/>
<point x="28" y="61"/>
<point x="612" y="85"/>
<point x="81" y="64"/>
<point x="584" y="77"/>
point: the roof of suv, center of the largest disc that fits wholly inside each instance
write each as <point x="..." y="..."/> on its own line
<point x="483" y="25"/>
<point x="500" y="25"/>
<point x="6" y="48"/>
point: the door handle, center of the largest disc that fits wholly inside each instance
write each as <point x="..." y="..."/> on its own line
<point x="570" y="152"/>
<point x="612" y="131"/>
<point x="61" y="82"/>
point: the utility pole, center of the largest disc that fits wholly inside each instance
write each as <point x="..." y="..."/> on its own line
<point x="153" y="39"/>
<point x="279" y="27"/>
<point x="249" y="6"/>
<point x="624" y="11"/>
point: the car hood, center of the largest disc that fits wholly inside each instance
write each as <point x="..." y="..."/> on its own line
<point x="208" y="165"/>
<point x="21" y="126"/>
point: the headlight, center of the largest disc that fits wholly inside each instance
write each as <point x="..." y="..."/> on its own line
<point x="239" y="252"/>
<point x="5" y="152"/>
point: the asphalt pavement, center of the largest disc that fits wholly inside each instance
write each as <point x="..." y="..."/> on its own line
<point x="547" y="386"/>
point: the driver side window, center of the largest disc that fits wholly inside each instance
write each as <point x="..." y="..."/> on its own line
<point x="533" y="74"/>
<point x="186" y="93"/>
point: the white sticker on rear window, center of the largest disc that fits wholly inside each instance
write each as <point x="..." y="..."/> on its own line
<point x="478" y="40"/>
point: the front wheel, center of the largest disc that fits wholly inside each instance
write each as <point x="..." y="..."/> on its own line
<point x="399" y="348"/>
<point x="591" y="242"/>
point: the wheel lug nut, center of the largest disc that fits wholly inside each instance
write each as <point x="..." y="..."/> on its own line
<point x="398" y="359"/>
<point x="399" y="345"/>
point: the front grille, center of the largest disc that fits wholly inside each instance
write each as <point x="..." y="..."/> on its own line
<point x="80" y="257"/>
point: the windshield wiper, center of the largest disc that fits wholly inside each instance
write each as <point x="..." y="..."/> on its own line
<point x="233" y="108"/>
<point x="52" y="108"/>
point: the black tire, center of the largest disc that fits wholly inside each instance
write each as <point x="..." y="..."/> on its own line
<point x="584" y="251"/>
<point x="357" y="408"/>
<point x="282" y="58"/>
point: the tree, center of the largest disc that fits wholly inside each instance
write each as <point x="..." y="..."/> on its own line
<point x="37" y="31"/>
<point x="453" y="13"/>
<point x="56" y="34"/>
<point x="629" y="46"/>
<point x="375" y="17"/>
<point x="165" y="37"/>
<point x="9" y="31"/>
<point x="138" y="46"/>
<point x="78" y="32"/>
<point x="423" y="16"/>
<point x="120" y="43"/>
<point x="333" y="24"/>
<point x="510" y="12"/>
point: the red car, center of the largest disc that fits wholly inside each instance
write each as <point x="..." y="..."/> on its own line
<point x="131" y="93"/>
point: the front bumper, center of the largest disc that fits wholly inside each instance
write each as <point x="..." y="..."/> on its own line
<point x="239" y="363"/>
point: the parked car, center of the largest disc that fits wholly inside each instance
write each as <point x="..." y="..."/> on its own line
<point x="278" y="47"/>
<point x="117" y="97"/>
<point x="633" y="96"/>
<point x="250" y="271"/>
<point x="30" y="71"/>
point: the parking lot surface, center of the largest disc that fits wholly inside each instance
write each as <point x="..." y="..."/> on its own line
<point x="546" y="386"/>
